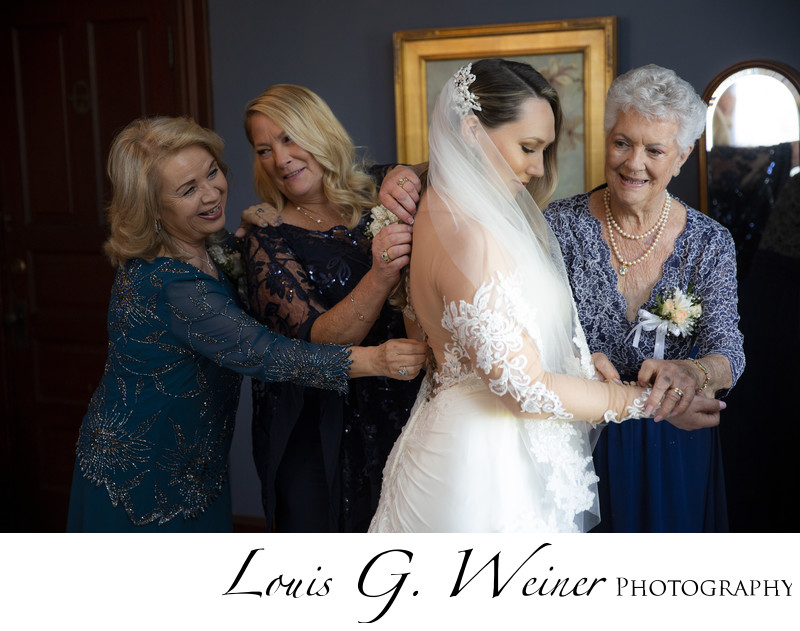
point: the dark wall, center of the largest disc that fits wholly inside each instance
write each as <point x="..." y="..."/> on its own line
<point x="343" y="51"/>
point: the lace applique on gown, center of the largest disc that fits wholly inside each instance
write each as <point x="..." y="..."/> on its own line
<point x="498" y="440"/>
<point x="465" y="462"/>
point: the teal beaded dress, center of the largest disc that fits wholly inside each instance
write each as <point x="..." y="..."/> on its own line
<point x="152" y="452"/>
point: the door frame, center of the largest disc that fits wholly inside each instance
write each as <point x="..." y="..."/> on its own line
<point x="190" y="55"/>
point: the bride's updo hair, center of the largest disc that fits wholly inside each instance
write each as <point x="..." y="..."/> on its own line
<point x="502" y="86"/>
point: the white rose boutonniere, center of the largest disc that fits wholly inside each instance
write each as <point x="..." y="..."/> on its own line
<point x="677" y="312"/>
<point x="381" y="217"/>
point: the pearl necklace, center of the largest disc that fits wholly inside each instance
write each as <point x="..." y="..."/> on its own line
<point x="659" y="228"/>
<point x="627" y="235"/>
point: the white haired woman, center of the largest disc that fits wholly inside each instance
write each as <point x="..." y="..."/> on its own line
<point x="655" y="286"/>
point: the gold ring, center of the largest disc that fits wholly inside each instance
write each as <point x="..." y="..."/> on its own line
<point x="678" y="390"/>
<point x="403" y="371"/>
<point x="402" y="181"/>
<point x="385" y="256"/>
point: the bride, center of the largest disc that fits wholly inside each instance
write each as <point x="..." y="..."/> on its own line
<point x="500" y="436"/>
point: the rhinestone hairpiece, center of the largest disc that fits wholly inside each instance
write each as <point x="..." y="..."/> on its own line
<point x="464" y="99"/>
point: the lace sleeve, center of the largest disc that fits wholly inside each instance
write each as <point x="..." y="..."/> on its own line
<point x="498" y="332"/>
<point x="716" y="284"/>
<point x="280" y="292"/>
<point x="202" y="315"/>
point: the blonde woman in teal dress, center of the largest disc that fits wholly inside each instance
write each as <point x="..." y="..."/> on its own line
<point x="152" y="452"/>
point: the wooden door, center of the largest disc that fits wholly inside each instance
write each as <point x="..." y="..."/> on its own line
<point x="76" y="72"/>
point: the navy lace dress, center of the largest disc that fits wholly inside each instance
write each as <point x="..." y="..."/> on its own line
<point x="319" y="455"/>
<point x="152" y="452"/>
<point x="653" y="476"/>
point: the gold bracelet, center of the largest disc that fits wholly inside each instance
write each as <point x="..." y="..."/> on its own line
<point x="359" y="315"/>
<point x="705" y="372"/>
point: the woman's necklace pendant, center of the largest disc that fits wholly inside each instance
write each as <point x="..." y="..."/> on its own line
<point x="623" y="269"/>
<point x="303" y="210"/>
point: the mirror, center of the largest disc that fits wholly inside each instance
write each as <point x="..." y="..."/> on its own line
<point x="749" y="149"/>
<point x="748" y="157"/>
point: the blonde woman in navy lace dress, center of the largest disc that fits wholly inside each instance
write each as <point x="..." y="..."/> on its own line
<point x="314" y="274"/>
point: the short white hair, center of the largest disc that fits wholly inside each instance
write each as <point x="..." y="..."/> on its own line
<point x="657" y="94"/>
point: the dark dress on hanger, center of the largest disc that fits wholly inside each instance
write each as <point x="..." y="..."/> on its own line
<point x="759" y="435"/>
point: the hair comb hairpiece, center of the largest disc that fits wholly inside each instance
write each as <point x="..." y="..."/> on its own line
<point x="464" y="99"/>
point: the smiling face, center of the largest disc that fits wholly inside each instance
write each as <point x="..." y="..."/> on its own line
<point x="295" y="172"/>
<point x="193" y="194"/>
<point x="641" y="158"/>
<point x="522" y="142"/>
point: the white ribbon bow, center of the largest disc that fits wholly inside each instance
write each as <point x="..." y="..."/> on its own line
<point x="651" y="322"/>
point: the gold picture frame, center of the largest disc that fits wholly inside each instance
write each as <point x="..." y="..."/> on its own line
<point x="578" y="57"/>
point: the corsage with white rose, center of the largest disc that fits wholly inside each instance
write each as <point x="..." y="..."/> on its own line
<point x="381" y="217"/>
<point x="229" y="258"/>
<point x="677" y="312"/>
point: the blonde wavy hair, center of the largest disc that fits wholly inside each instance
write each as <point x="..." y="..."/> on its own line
<point x="308" y="120"/>
<point x="134" y="168"/>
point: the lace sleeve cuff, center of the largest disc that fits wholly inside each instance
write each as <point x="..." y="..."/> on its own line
<point x="635" y="410"/>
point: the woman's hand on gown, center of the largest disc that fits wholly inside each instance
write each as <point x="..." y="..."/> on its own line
<point x="665" y="376"/>
<point x="604" y="368"/>
<point x="399" y="358"/>
<point x="702" y="413"/>
<point x="399" y="192"/>
<point x="251" y="217"/>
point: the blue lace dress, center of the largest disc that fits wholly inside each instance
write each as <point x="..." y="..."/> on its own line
<point x="653" y="476"/>
<point x="152" y="452"/>
<point x="320" y="455"/>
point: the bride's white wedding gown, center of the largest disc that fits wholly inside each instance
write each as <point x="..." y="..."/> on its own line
<point x="499" y="439"/>
<point x="495" y="442"/>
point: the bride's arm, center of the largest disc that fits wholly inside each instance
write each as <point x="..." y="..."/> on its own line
<point x="505" y="355"/>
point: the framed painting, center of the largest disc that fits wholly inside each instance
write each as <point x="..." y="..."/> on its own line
<point x="578" y="57"/>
